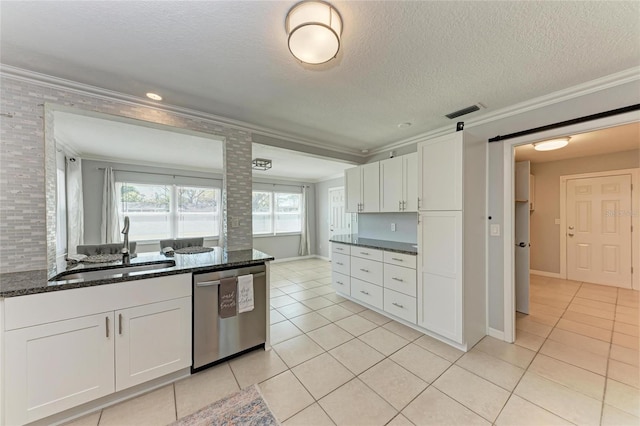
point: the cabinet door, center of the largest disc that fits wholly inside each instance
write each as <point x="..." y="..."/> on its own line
<point x="152" y="340"/>
<point x="353" y="183"/>
<point x="440" y="273"/>
<point x="371" y="187"/>
<point x="440" y="170"/>
<point x="410" y="182"/>
<point x="53" y="367"/>
<point x="391" y="179"/>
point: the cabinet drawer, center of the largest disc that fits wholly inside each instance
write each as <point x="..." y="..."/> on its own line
<point x="400" y="305"/>
<point x="368" y="293"/>
<point x="340" y="248"/>
<point x="400" y="259"/>
<point x="400" y="279"/>
<point x="366" y="270"/>
<point x="341" y="263"/>
<point x="341" y="283"/>
<point x="367" y="253"/>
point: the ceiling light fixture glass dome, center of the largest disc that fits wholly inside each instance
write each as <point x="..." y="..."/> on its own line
<point x="314" y="29"/>
<point x="552" y="144"/>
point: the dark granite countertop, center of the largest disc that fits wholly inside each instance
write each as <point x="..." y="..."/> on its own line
<point x="355" y="240"/>
<point x="32" y="282"/>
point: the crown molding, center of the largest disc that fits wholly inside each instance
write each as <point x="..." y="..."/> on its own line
<point x="20" y="74"/>
<point x="606" y="82"/>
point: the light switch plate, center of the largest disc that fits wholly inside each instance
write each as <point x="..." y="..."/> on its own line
<point x="393" y="227"/>
<point x="557" y="222"/>
<point x="494" y="230"/>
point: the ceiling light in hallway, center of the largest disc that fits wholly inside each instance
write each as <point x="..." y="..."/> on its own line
<point x="154" y="96"/>
<point x="552" y="144"/>
<point x="314" y="29"/>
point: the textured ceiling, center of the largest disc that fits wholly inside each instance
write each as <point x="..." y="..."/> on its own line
<point x="605" y="141"/>
<point x="401" y="61"/>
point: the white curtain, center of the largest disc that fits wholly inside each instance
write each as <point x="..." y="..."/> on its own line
<point x="221" y="213"/>
<point x="305" y="244"/>
<point x="110" y="226"/>
<point x="75" y="205"/>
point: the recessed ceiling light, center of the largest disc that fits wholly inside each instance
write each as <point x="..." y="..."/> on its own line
<point x="154" y="96"/>
<point x="365" y="151"/>
<point x="404" y="125"/>
<point x="552" y="144"/>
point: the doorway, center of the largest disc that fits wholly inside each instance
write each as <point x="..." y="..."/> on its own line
<point x="339" y="219"/>
<point x="509" y="207"/>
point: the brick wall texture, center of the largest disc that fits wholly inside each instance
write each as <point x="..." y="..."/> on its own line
<point x="27" y="167"/>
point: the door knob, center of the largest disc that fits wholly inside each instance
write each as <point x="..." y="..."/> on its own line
<point x="570" y="234"/>
<point x="522" y="244"/>
<point x="571" y="227"/>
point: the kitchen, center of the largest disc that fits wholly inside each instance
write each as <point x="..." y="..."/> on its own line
<point x="26" y="240"/>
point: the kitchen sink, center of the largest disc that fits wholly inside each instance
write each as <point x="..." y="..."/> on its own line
<point x="109" y="272"/>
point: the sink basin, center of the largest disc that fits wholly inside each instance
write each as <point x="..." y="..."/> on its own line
<point x="106" y="273"/>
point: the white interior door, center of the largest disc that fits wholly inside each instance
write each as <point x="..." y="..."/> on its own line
<point x="339" y="219"/>
<point x="598" y="218"/>
<point x="522" y="239"/>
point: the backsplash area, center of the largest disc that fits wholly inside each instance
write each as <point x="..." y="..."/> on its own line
<point x="378" y="226"/>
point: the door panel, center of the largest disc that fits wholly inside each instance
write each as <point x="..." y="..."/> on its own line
<point x="391" y="184"/>
<point x="440" y="183"/>
<point x="353" y="182"/>
<point x="598" y="218"/>
<point x="522" y="237"/>
<point x="411" y="182"/>
<point x="339" y="219"/>
<point x="371" y="187"/>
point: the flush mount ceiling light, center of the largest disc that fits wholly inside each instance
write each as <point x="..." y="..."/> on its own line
<point x="552" y="144"/>
<point x="261" y="164"/>
<point x="314" y="29"/>
<point x="154" y="96"/>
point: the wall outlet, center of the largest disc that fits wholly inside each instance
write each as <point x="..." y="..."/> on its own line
<point x="393" y="227"/>
<point x="494" y="230"/>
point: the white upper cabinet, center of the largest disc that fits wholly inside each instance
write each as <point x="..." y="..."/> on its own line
<point x="353" y="183"/>
<point x="391" y="177"/>
<point x="410" y="182"/>
<point x="399" y="184"/>
<point x="440" y="182"/>
<point x="363" y="188"/>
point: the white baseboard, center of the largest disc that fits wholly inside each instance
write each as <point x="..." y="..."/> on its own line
<point x="498" y="334"/>
<point x="545" y="273"/>
<point x="328" y="259"/>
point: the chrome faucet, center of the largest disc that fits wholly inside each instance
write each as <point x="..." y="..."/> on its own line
<point x="126" y="257"/>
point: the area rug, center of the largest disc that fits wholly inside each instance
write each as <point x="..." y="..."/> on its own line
<point x="246" y="407"/>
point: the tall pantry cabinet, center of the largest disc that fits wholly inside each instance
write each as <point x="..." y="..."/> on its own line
<point x="452" y="237"/>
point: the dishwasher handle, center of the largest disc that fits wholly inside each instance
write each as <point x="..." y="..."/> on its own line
<point x="217" y="282"/>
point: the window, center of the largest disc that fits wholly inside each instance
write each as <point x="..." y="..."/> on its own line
<point x="169" y="211"/>
<point x="276" y="213"/>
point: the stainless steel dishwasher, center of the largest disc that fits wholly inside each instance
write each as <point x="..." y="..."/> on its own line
<point x="216" y="338"/>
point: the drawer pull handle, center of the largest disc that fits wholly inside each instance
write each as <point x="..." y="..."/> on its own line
<point x="106" y="320"/>
<point x="339" y="263"/>
<point x="364" y="270"/>
<point x="339" y="248"/>
<point x="119" y="323"/>
<point x="339" y="282"/>
<point x="397" y="279"/>
<point x="398" y="305"/>
<point x="364" y="292"/>
<point x="396" y="259"/>
<point x="365" y="253"/>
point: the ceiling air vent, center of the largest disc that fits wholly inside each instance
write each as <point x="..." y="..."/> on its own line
<point x="462" y="111"/>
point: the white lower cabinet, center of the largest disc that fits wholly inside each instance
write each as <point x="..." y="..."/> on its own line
<point x="151" y="341"/>
<point x="58" y="366"/>
<point x="57" y="356"/>
<point x="382" y="280"/>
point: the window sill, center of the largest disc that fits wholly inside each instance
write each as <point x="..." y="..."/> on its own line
<point x="288" y="234"/>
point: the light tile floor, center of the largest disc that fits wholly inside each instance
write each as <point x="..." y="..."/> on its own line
<point x="575" y="361"/>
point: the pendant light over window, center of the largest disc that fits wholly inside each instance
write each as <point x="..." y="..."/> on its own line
<point x="314" y="29"/>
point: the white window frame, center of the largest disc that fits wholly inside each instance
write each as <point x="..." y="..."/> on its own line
<point x="272" y="213"/>
<point x="173" y="208"/>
